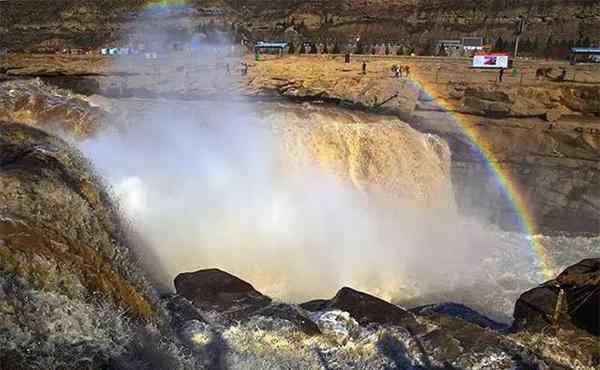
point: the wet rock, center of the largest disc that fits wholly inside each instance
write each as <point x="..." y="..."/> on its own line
<point x="213" y="289"/>
<point x="292" y="314"/>
<point x="182" y="311"/>
<point x="60" y="229"/>
<point x="72" y="294"/>
<point x="36" y="103"/>
<point x="570" y="301"/>
<point x="364" y="308"/>
<point x="459" y="311"/>
<point x="560" y="318"/>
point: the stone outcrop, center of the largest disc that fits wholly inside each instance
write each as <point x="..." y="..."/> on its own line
<point x="364" y="308"/>
<point x="459" y="311"/>
<point x="218" y="290"/>
<point x="72" y="294"/>
<point x="440" y="336"/>
<point x="560" y="317"/>
<point x="58" y="227"/>
<point x="343" y="85"/>
<point x="549" y="104"/>
<point x="235" y="299"/>
<point x="571" y="300"/>
<point x="35" y="103"/>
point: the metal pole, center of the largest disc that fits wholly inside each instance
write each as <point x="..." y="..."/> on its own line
<point x="517" y="45"/>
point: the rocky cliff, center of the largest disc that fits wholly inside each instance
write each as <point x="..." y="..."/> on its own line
<point x="544" y="133"/>
<point x="72" y="294"/>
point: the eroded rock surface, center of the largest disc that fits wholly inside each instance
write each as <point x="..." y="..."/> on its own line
<point x="358" y="330"/>
<point x="72" y="292"/>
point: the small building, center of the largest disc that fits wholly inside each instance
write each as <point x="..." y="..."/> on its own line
<point x="458" y="47"/>
<point x="447" y="47"/>
<point x="584" y="55"/>
<point x="261" y="45"/>
<point x="472" y="43"/>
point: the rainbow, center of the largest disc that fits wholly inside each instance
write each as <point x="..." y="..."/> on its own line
<point x="504" y="177"/>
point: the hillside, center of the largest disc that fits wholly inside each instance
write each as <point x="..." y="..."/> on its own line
<point x="53" y="25"/>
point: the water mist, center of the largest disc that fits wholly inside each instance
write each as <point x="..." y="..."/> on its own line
<point x="214" y="183"/>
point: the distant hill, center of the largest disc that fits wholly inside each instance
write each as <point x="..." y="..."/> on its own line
<point x="35" y="25"/>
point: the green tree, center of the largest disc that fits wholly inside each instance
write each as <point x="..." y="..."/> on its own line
<point x="586" y="43"/>
<point x="500" y="44"/>
<point x="336" y="48"/>
<point x="360" y="48"/>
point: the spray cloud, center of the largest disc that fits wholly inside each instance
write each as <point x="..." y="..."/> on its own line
<point x="213" y="183"/>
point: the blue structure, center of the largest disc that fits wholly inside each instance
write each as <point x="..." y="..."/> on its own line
<point x="270" y="45"/>
<point x="590" y="55"/>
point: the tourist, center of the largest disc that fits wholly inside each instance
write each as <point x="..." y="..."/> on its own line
<point x="364" y="68"/>
<point x="397" y="71"/>
<point x="244" y="69"/>
<point x="563" y="75"/>
<point x="501" y="75"/>
<point x="347" y="58"/>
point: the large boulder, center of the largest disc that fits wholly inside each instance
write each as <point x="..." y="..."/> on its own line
<point x="234" y="299"/>
<point x="572" y="300"/>
<point x="459" y="311"/>
<point x="364" y="308"/>
<point x="214" y="289"/>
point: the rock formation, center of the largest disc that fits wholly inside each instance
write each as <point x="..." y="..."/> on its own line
<point x="214" y="289"/>
<point x="71" y="292"/>
<point x="570" y="301"/>
<point x="364" y="308"/>
<point x="353" y="329"/>
<point x="561" y="316"/>
<point x="38" y="104"/>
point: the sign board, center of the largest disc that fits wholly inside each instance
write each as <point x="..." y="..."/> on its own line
<point x="496" y="60"/>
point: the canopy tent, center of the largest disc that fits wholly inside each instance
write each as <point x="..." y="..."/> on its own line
<point x="589" y="55"/>
<point x="270" y="45"/>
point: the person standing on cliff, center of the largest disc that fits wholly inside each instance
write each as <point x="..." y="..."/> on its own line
<point x="501" y="75"/>
<point x="364" y="68"/>
<point x="347" y="58"/>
